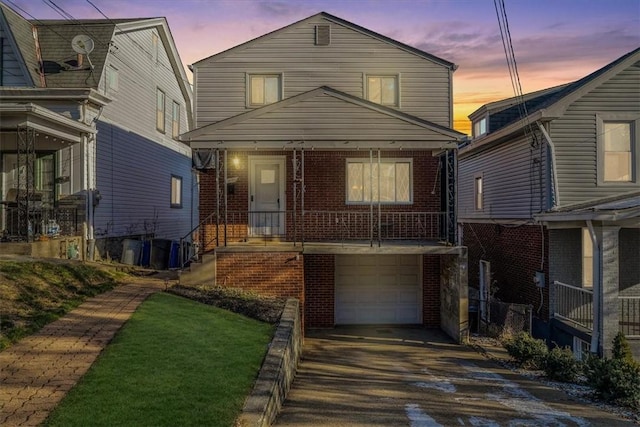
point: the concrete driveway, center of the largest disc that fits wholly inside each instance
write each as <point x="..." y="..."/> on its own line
<point x="413" y="377"/>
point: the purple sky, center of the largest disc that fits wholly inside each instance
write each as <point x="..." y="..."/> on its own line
<point x="555" y="41"/>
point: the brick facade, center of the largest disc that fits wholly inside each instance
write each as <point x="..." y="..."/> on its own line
<point x="319" y="288"/>
<point x="431" y="291"/>
<point x="515" y="254"/>
<point x="325" y="183"/>
<point x="274" y="274"/>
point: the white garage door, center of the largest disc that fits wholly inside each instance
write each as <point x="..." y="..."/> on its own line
<point x="378" y="289"/>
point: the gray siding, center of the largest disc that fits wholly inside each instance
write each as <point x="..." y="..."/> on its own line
<point x="133" y="177"/>
<point x="12" y="74"/>
<point x="139" y="75"/>
<point x="221" y="80"/>
<point x="575" y="137"/>
<point x="512" y="173"/>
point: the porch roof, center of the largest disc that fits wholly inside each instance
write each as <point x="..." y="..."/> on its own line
<point x="617" y="208"/>
<point x="324" y="118"/>
<point x="42" y="120"/>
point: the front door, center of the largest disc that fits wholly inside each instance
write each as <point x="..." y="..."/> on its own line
<point x="266" y="196"/>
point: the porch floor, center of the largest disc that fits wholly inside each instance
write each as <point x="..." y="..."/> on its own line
<point x="351" y="247"/>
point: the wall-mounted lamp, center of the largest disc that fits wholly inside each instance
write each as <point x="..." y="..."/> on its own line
<point x="236" y="162"/>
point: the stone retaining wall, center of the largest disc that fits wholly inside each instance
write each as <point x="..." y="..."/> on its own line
<point x="278" y="371"/>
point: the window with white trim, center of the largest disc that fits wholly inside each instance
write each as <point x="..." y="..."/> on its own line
<point x="587" y="259"/>
<point x="478" y="191"/>
<point x="581" y="349"/>
<point x="383" y="90"/>
<point x="479" y="127"/>
<point x="112" y="79"/>
<point x="618" y="143"/>
<point x="160" y="100"/>
<point x="175" y="119"/>
<point x="264" y="89"/>
<point x="176" y="191"/>
<point x="392" y="182"/>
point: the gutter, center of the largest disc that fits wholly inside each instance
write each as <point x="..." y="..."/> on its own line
<point x="555" y="201"/>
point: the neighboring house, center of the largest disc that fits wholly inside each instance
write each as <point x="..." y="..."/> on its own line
<point x="321" y="178"/>
<point x="549" y="201"/>
<point x="90" y="113"/>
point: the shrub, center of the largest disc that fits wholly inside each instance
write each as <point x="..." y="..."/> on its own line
<point x="614" y="380"/>
<point x="560" y="365"/>
<point x="526" y="350"/>
<point x="621" y="349"/>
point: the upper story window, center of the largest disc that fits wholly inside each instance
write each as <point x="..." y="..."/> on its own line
<point x="383" y="90"/>
<point x="618" y="152"/>
<point x="111" y="79"/>
<point x="160" y="101"/>
<point x="175" y="120"/>
<point x="155" y="43"/>
<point x="264" y="89"/>
<point x="478" y="192"/>
<point x="618" y="145"/>
<point x="392" y="181"/>
<point x="480" y="127"/>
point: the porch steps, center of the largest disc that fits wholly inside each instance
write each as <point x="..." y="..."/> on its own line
<point x="200" y="273"/>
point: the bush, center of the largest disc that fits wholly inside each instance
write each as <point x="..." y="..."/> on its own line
<point x="621" y="349"/>
<point x="614" y="380"/>
<point x="526" y="350"/>
<point x="560" y="365"/>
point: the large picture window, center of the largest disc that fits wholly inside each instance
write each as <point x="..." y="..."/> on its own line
<point x="391" y="181"/>
<point x="264" y="89"/>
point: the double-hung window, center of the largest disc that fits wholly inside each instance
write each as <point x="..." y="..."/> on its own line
<point x="264" y="89"/>
<point x="175" y="120"/>
<point x="478" y="192"/>
<point x="479" y="127"/>
<point x="391" y="181"/>
<point x="618" y="145"/>
<point x="160" y="100"/>
<point x="176" y="191"/>
<point x="383" y="90"/>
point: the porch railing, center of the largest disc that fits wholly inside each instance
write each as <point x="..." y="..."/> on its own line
<point x="629" y="319"/>
<point x="49" y="222"/>
<point x="313" y="226"/>
<point x="574" y="304"/>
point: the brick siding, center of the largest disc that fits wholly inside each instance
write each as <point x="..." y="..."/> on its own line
<point x="319" y="273"/>
<point x="431" y="291"/>
<point x="515" y="254"/>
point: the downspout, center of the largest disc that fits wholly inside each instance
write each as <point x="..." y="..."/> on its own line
<point x="597" y="290"/>
<point x="555" y="200"/>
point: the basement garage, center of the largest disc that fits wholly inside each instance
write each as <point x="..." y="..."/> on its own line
<point x="378" y="289"/>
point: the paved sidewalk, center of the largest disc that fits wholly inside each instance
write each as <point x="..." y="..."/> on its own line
<point x="38" y="371"/>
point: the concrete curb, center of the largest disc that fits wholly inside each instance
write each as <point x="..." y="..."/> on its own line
<point x="277" y="372"/>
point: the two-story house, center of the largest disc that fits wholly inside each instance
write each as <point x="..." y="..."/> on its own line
<point x="90" y="114"/>
<point x="321" y="150"/>
<point x="549" y="205"/>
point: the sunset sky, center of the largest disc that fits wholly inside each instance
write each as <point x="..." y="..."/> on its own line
<point x="555" y="41"/>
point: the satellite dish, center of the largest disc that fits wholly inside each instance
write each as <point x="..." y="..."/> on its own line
<point x="82" y="44"/>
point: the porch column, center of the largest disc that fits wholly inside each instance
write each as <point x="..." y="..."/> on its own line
<point x="610" y="279"/>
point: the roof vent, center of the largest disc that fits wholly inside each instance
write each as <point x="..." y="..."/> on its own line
<point x="323" y="35"/>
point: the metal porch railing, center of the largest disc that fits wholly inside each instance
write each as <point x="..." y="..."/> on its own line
<point x="629" y="319"/>
<point x="311" y="226"/>
<point x="42" y="222"/>
<point x="574" y="304"/>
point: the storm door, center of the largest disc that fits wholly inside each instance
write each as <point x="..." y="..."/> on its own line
<point x="266" y="196"/>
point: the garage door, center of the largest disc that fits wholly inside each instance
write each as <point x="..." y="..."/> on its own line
<point x="378" y="289"/>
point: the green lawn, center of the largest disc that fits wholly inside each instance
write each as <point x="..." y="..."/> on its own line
<point x="175" y="363"/>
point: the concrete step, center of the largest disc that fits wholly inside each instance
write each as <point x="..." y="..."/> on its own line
<point x="200" y="273"/>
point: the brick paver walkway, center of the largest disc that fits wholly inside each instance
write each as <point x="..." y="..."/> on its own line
<point x="38" y="371"/>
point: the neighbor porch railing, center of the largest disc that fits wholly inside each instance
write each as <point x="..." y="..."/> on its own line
<point x="629" y="319"/>
<point x="39" y="222"/>
<point x="313" y="226"/>
<point x="573" y="304"/>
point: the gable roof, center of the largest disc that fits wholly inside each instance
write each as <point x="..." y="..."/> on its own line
<point x="320" y="118"/>
<point x="19" y="32"/>
<point x="344" y="23"/>
<point x="546" y="104"/>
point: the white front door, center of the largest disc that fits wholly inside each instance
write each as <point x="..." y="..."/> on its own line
<point x="266" y="196"/>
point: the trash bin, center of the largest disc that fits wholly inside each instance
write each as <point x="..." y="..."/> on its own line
<point x="160" y="250"/>
<point x="131" y="251"/>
